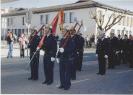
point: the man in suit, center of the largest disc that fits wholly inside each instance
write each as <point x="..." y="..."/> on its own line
<point x="112" y="48"/>
<point x="34" y="64"/>
<point x="102" y="53"/>
<point x="79" y="50"/>
<point x="66" y="56"/>
<point x="50" y="48"/>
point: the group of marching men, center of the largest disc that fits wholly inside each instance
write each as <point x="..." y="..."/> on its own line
<point x="113" y="51"/>
<point x="68" y="54"/>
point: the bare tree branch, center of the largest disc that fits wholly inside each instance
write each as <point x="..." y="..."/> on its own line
<point x="109" y="20"/>
<point x="114" y="23"/>
<point x="103" y="20"/>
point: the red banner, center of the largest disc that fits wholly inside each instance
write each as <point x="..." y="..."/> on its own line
<point x="54" y="24"/>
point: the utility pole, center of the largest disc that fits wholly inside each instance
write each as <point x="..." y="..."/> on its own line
<point x="28" y="23"/>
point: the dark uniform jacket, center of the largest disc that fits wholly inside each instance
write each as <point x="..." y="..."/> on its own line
<point x="125" y="45"/>
<point x="69" y="48"/>
<point x="119" y="45"/>
<point x="79" y="41"/>
<point x="102" y="47"/>
<point x="34" y="43"/>
<point x="50" y="45"/>
<point x="112" y="45"/>
<point x="130" y="47"/>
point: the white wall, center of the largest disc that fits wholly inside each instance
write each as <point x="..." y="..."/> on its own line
<point x="118" y="26"/>
<point x="81" y="14"/>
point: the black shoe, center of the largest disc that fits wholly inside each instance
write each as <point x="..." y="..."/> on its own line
<point x="102" y="74"/>
<point x="49" y="83"/>
<point x="60" y="87"/>
<point x="79" y="70"/>
<point x="111" y="67"/>
<point x="35" y="79"/>
<point x="29" y="78"/>
<point x="44" y="82"/>
<point x="130" y="66"/>
<point x="67" y="88"/>
<point x="97" y="73"/>
<point x="73" y="78"/>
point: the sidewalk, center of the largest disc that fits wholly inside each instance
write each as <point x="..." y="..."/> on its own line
<point x="5" y="46"/>
<point x="16" y="51"/>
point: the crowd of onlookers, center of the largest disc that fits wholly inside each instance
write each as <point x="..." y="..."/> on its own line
<point x="89" y="41"/>
<point x="23" y="41"/>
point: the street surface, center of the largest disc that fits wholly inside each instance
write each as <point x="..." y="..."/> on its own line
<point x="14" y="74"/>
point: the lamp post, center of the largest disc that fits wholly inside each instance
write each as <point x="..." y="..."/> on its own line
<point x="28" y="23"/>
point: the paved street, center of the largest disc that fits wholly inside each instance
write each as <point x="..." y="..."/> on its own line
<point x="14" y="74"/>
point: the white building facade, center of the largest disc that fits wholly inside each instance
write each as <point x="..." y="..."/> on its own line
<point x="78" y="11"/>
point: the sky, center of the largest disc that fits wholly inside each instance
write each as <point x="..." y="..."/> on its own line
<point x="124" y="4"/>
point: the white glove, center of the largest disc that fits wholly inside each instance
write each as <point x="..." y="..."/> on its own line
<point x="77" y="52"/>
<point x="58" y="60"/>
<point x="38" y="48"/>
<point x="52" y="59"/>
<point x="105" y="56"/>
<point x="61" y="50"/>
<point x="117" y="52"/>
<point x="96" y="55"/>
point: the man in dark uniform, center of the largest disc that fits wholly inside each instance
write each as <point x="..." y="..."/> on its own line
<point x="66" y="56"/>
<point x="79" y="50"/>
<point x="34" y="64"/>
<point x="125" y="49"/>
<point x="102" y="52"/>
<point x="130" y="54"/>
<point x="73" y="65"/>
<point x="50" y="48"/>
<point x="112" y="45"/>
<point x="119" y="50"/>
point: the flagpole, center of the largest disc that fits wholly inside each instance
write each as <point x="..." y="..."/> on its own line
<point x="54" y="24"/>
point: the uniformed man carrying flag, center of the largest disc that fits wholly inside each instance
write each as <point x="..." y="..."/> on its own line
<point x="66" y="57"/>
<point x="50" y="48"/>
<point x="34" y="63"/>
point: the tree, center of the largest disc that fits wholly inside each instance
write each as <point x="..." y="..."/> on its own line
<point x="105" y="21"/>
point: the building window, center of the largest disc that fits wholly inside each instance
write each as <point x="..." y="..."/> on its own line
<point x="8" y="22"/>
<point x="11" y="21"/>
<point x="118" y="32"/>
<point x="75" y="19"/>
<point x="112" y="30"/>
<point x="26" y="31"/>
<point x="119" y="23"/>
<point x="128" y="21"/>
<point x="41" y="19"/>
<point x="100" y="14"/>
<point x="65" y="17"/>
<point x="19" y="32"/>
<point x="71" y="17"/>
<point x="46" y="19"/>
<point x="23" y="31"/>
<point x="132" y="22"/>
<point x="124" y="21"/>
<point x="23" y="21"/>
<point x="16" y="33"/>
